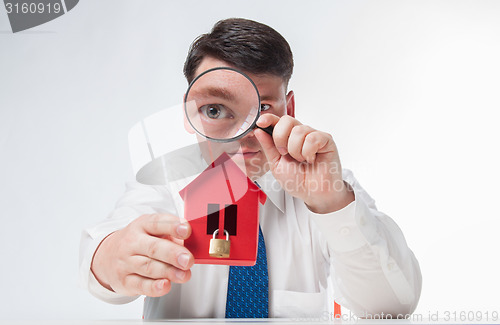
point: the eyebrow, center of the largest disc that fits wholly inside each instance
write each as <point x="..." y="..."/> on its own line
<point x="218" y="92"/>
<point x="268" y="98"/>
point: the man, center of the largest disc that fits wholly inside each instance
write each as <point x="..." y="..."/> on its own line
<point x="324" y="238"/>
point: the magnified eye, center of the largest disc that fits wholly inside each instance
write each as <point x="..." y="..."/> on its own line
<point x="215" y="111"/>
<point x="264" y="107"/>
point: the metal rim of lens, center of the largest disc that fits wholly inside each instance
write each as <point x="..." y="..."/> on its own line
<point x="250" y="128"/>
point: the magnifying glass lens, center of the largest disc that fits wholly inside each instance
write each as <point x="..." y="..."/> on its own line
<point x="222" y="104"/>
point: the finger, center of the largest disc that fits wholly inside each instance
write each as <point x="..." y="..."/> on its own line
<point x="266" y="120"/>
<point x="315" y="142"/>
<point x="154" y="269"/>
<point x="164" y="251"/>
<point x="296" y="141"/>
<point x="282" y="131"/>
<point x="162" y="225"/>
<point x="139" y="285"/>
<point x="265" y="140"/>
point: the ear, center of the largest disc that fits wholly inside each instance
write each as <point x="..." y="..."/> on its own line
<point x="187" y="126"/>
<point x="290" y="103"/>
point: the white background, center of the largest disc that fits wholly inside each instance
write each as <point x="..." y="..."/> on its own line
<point x="409" y="90"/>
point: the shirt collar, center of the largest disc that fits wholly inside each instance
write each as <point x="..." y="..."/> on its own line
<point x="269" y="185"/>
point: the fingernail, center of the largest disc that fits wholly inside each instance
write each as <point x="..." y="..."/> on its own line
<point x="183" y="260"/>
<point x="160" y="284"/>
<point x="182" y="230"/>
<point x="180" y="274"/>
<point x="282" y="150"/>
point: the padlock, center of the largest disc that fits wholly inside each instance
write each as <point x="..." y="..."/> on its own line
<point x="219" y="247"/>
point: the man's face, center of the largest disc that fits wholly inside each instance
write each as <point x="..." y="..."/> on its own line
<point x="247" y="152"/>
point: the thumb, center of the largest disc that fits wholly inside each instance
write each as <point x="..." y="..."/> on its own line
<point x="266" y="141"/>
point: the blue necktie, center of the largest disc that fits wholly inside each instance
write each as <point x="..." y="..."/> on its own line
<point x="248" y="287"/>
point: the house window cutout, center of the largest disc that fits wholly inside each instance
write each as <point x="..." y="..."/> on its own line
<point x="212" y="218"/>
<point x="230" y="215"/>
<point x="230" y="218"/>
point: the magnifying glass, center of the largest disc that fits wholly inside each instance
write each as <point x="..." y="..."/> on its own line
<point x="223" y="105"/>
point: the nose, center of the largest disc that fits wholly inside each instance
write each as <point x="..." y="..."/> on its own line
<point x="248" y="139"/>
<point x="250" y="134"/>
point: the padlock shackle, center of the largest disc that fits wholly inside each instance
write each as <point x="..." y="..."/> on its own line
<point x="216" y="232"/>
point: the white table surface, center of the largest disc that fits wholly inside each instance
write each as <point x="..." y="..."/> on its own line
<point x="233" y="321"/>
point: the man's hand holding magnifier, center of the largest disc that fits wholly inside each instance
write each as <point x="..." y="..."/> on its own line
<point x="305" y="162"/>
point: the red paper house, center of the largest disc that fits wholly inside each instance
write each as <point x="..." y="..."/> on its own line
<point x="223" y="197"/>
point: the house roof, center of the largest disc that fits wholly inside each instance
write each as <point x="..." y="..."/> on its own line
<point x="222" y="180"/>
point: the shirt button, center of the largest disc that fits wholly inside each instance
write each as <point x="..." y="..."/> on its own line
<point x="345" y="231"/>
<point x="362" y="221"/>
<point x="391" y="266"/>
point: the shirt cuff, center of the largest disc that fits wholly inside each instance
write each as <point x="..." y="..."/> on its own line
<point x="349" y="228"/>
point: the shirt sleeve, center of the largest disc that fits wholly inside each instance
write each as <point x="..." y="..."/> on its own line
<point x="374" y="270"/>
<point x="137" y="200"/>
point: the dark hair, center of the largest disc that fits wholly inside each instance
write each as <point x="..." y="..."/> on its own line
<point x="246" y="44"/>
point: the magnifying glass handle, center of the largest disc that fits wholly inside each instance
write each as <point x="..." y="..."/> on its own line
<point x="268" y="130"/>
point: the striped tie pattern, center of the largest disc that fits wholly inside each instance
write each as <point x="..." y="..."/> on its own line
<point x="248" y="287"/>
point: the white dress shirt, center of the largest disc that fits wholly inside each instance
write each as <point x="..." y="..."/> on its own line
<point x="356" y="256"/>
